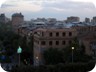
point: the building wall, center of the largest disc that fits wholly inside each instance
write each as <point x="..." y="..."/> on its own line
<point x="51" y="38"/>
<point x="43" y="38"/>
<point x="86" y="34"/>
<point x="17" y="20"/>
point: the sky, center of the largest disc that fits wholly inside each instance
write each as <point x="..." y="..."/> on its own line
<point x="59" y="9"/>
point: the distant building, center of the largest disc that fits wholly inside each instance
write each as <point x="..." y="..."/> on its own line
<point x="51" y="21"/>
<point x="73" y="19"/>
<point x="3" y="18"/>
<point x="87" y="20"/>
<point x="94" y="21"/>
<point x="17" y="19"/>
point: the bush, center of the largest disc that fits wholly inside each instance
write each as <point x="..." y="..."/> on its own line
<point x="71" y="67"/>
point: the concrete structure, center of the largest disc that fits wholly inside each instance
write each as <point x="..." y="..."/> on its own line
<point x="87" y="20"/>
<point x="17" y="19"/>
<point x="94" y="21"/>
<point x="60" y="38"/>
<point x="3" y="18"/>
<point x="51" y="38"/>
<point x="73" y="19"/>
<point x="51" y="21"/>
<point x="87" y="36"/>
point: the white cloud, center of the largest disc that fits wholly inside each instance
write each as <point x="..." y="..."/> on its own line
<point x="1" y="2"/>
<point x="59" y="9"/>
<point x="92" y="1"/>
<point x="48" y="8"/>
<point x="21" y="6"/>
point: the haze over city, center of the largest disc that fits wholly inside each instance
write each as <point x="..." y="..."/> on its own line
<point x="60" y="9"/>
<point x="47" y="35"/>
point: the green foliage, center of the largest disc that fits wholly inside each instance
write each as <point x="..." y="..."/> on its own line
<point x="71" y="67"/>
<point x="53" y="56"/>
<point x="78" y="52"/>
<point x="10" y="41"/>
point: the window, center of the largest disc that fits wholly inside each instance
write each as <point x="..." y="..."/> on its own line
<point x="50" y="42"/>
<point x="63" y="34"/>
<point x="42" y="33"/>
<point x="57" y="33"/>
<point x="57" y="42"/>
<point x="50" y="34"/>
<point x="70" y="33"/>
<point x="43" y="43"/>
<point x="63" y="42"/>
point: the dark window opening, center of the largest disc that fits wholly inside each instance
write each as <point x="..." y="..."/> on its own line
<point x="43" y="43"/>
<point x="63" y="34"/>
<point x="63" y="42"/>
<point x="50" y="42"/>
<point x="50" y="34"/>
<point x="57" y="33"/>
<point x="70" y="33"/>
<point x="57" y="42"/>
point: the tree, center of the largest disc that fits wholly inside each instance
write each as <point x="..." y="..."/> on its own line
<point x="53" y="56"/>
<point x="79" y="52"/>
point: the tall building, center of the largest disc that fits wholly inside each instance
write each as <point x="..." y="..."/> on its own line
<point x="17" y="19"/>
<point x="3" y="18"/>
<point x="73" y="19"/>
<point x="94" y="20"/>
<point x="51" y="38"/>
<point x="87" y="20"/>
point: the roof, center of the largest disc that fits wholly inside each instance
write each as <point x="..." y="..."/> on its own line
<point x="17" y="15"/>
<point x="55" y="29"/>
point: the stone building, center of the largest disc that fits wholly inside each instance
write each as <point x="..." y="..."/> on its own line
<point x="87" y="36"/>
<point x="51" y="38"/>
<point x="60" y="38"/>
<point x="17" y="19"/>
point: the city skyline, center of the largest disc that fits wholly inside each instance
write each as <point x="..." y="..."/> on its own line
<point x="49" y="9"/>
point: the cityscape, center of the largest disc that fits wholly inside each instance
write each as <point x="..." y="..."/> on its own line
<point x="48" y="35"/>
<point x="46" y="41"/>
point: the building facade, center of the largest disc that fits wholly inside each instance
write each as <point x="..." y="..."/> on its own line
<point x="17" y="19"/>
<point x="87" y="20"/>
<point x="87" y="36"/>
<point x="51" y="38"/>
<point x="60" y="38"/>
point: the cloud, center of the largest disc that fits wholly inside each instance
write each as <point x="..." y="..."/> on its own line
<point x="49" y="8"/>
<point x="70" y="5"/>
<point x="7" y="5"/>
<point x="20" y="6"/>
